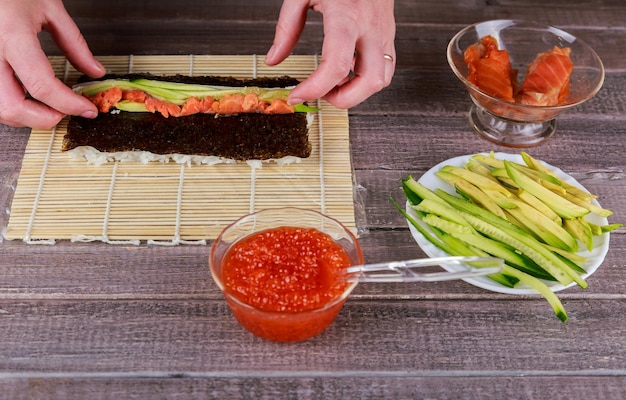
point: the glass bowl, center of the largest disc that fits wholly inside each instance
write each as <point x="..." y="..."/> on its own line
<point x="282" y="326"/>
<point x="512" y="124"/>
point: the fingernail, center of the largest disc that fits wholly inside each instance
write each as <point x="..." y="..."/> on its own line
<point x="98" y="65"/>
<point x="89" y="114"/>
<point x="270" y="54"/>
<point x="294" y="101"/>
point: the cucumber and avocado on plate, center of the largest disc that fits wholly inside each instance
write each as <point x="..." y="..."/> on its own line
<point x="550" y="230"/>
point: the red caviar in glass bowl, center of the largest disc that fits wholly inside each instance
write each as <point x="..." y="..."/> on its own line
<point x="281" y="271"/>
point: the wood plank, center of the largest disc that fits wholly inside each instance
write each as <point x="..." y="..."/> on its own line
<point x="416" y="44"/>
<point x="89" y="336"/>
<point x="606" y="385"/>
<point x="573" y="13"/>
<point x="70" y="271"/>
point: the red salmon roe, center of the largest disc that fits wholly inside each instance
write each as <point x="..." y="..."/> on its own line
<point x="286" y="269"/>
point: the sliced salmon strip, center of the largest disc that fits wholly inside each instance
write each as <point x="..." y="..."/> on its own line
<point x="192" y="105"/>
<point x="164" y="108"/>
<point x="107" y="99"/>
<point x="490" y="69"/>
<point x="279" y="106"/>
<point x="228" y="105"/>
<point x="547" y="79"/>
<point x="138" y="96"/>
<point x="252" y="103"/>
<point x="231" y="104"/>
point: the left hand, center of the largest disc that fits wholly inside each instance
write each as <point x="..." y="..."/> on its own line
<point x="358" y="53"/>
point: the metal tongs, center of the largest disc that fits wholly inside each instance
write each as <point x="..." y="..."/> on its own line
<point x="403" y="271"/>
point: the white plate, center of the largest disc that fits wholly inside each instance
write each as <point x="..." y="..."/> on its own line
<point x="595" y="257"/>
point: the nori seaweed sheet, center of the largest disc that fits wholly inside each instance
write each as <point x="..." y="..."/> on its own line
<point x="264" y="82"/>
<point x="239" y="137"/>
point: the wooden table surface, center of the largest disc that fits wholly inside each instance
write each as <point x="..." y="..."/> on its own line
<point x="91" y="320"/>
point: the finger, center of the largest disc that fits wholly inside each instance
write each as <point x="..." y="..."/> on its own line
<point x="390" y="66"/>
<point x="372" y="73"/>
<point x="34" y="71"/>
<point x="70" y="40"/>
<point x="337" y="60"/>
<point x="17" y="110"/>
<point x="291" y="21"/>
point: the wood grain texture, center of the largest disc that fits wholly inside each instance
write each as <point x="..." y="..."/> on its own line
<point x="82" y="320"/>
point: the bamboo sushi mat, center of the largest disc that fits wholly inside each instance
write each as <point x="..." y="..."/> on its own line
<point x="59" y="198"/>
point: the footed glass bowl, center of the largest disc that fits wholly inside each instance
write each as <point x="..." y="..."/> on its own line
<point x="512" y="124"/>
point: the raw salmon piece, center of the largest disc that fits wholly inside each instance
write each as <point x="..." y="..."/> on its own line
<point x="251" y="103"/>
<point x="279" y="106"/>
<point x="169" y="109"/>
<point x="151" y="104"/>
<point x="494" y="79"/>
<point x="490" y="69"/>
<point x="164" y="108"/>
<point x="547" y="79"/>
<point x="231" y="104"/>
<point x="135" y="95"/>
<point x="107" y="99"/>
<point x="192" y="105"/>
<point x="207" y="104"/>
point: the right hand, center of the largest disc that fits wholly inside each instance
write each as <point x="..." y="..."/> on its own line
<point x="31" y="95"/>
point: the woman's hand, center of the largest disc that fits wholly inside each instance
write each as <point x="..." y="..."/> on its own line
<point x="358" y="53"/>
<point x="31" y="95"/>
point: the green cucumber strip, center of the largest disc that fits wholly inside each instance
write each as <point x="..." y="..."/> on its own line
<point x="91" y="89"/>
<point x="411" y="195"/>
<point x="415" y="191"/>
<point x="442" y="210"/>
<point x="177" y="86"/>
<point x="491" y="246"/>
<point x="443" y="246"/>
<point x="574" y="257"/>
<point x="453" y="246"/>
<point x="575" y="267"/>
<point x="517" y="233"/>
<point x="193" y="90"/>
<point x="542" y="288"/>
<point x="305" y="108"/>
<point x="532" y="249"/>
<point x="462" y="249"/>
<point x="178" y="93"/>
<point x="515" y="237"/>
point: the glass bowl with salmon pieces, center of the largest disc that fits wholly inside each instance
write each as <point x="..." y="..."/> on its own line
<point x="282" y="271"/>
<point x="521" y="76"/>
